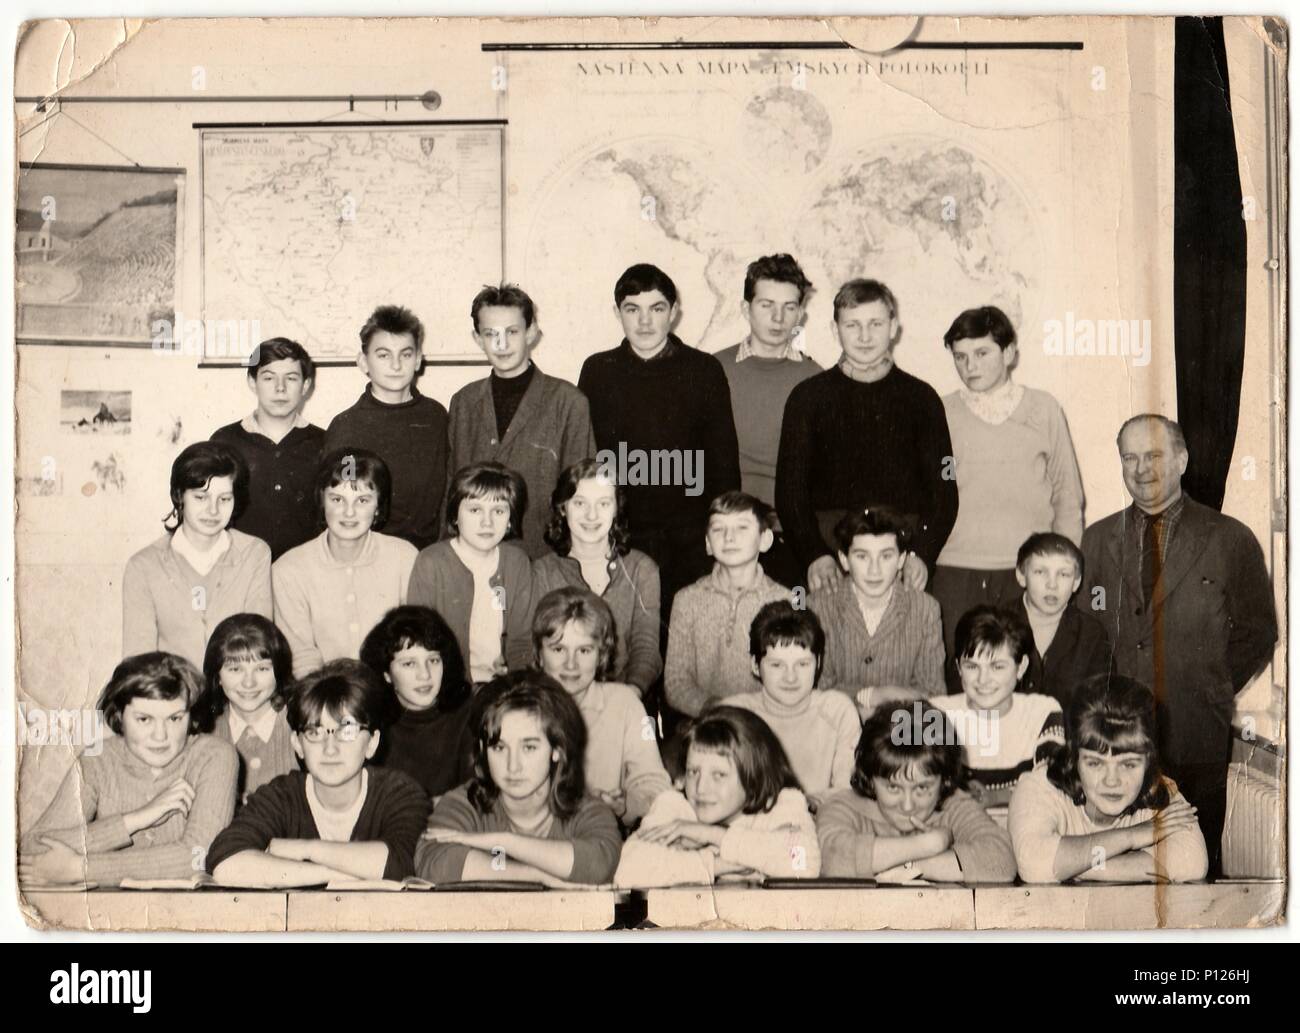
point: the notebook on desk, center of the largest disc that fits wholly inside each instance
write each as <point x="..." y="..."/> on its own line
<point x="195" y="882"/>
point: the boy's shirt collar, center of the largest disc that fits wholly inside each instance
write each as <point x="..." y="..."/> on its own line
<point x="719" y="581"/>
<point x="789" y="353"/>
<point x="250" y="424"/>
<point x="994" y="407"/>
<point x="369" y="395"/>
<point x="859" y="376"/>
<point x="671" y="344"/>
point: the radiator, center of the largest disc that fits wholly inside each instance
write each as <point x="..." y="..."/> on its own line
<point x="1253" y="832"/>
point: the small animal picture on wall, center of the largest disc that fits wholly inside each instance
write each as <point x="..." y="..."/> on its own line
<point x="95" y="412"/>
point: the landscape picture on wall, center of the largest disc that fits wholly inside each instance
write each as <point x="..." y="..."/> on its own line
<point x="95" y="253"/>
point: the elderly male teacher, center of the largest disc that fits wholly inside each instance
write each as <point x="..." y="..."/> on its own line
<point x="1187" y="599"/>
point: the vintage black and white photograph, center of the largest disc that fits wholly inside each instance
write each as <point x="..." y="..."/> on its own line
<point x="692" y="474"/>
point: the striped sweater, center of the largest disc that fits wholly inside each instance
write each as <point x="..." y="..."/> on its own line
<point x="88" y="811"/>
<point x="905" y="651"/>
<point x="999" y="749"/>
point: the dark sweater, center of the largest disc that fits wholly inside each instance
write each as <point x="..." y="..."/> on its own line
<point x="411" y="437"/>
<point x="679" y="401"/>
<point x="507" y="393"/>
<point x="394" y="813"/>
<point x="433" y="747"/>
<point x="848" y="445"/>
<point x="1080" y="648"/>
<point x="281" y="506"/>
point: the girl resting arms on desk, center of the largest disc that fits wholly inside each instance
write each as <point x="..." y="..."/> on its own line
<point x="148" y="803"/>
<point x="907" y="815"/>
<point x="1101" y="810"/>
<point x="524" y="815"/>
<point x="741" y="811"/>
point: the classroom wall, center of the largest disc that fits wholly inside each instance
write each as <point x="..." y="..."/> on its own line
<point x="1085" y="172"/>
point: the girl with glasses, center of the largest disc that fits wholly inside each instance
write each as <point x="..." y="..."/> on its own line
<point x="341" y="818"/>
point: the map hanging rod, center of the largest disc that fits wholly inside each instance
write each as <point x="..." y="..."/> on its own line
<point x="787" y="45"/>
<point x="431" y="99"/>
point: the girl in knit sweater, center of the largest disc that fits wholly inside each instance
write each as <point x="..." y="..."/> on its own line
<point x="525" y="813"/>
<point x="818" y="729"/>
<point x="149" y="803"/>
<point x="573" y="636"/>
<point x="907" y="815"/>
<point x="1101" y="810"/>
<point x="176" y="590"/>
<point x="481" y="584"/>
<point x="426" y="729"/>
<point x="741" y="811"/>
<point x="589" y="533"/>
<point x="333" y="589"/>
<point x="248" y="669"/>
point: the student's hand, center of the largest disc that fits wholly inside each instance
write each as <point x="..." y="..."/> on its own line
<point x="177" y="797"/>
<point x="291" y="849"/>
<point x="874" y="697"/>
<point x="688" y="835"/>
<point x="823" y="572"/>
<point x="915" y="572"/>
<point x="58" y="863"/>
<point x="616" y="801"/>
<point x="499" y="666"/>
<point x="898" y="874"/>
<point x="976" y="789"/>
<point x="937" y="838"/>
<point x="1177" y="816"/>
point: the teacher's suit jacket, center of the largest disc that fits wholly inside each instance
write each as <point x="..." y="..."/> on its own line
<point x="1210" y="627"/>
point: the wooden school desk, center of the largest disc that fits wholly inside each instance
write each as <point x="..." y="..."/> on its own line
<point x="1224" y="905"/>
<point x="207" y="910"/>
<point x="450" y="911"/>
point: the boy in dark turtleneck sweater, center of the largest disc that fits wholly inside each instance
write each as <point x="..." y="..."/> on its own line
<point x="536" y="425"/>
<point x="864" y="434"/>
<point x="655" y="397"/>
<point x="391" y="418"/>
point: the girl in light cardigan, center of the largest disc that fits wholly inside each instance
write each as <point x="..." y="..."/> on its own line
<point x="573" y="637"/>
<point x="1101" y="810"/>
<point x="741" y="811"/>
<point x="175" y="591"/>
<point x="330" y="591"/>
<point x="149" y="803"/>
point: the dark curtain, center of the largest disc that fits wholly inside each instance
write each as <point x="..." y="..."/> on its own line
<point x="1209" y="257"/>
